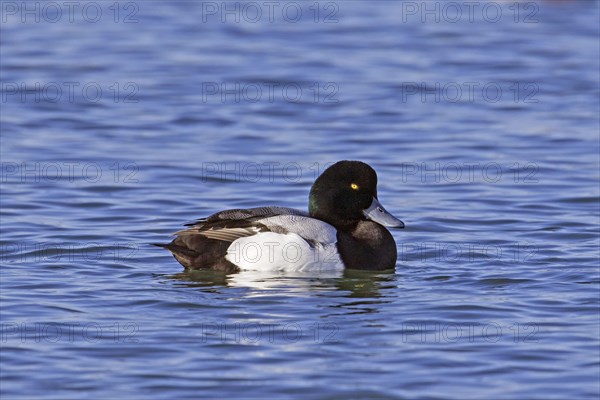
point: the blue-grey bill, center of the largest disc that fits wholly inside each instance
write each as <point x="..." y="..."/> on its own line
<point x="377" y="213"/>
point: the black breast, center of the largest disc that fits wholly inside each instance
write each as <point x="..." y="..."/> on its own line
<point x="368" y="246"/>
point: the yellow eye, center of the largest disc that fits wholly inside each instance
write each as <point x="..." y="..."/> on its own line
<point x="354" y="186"/>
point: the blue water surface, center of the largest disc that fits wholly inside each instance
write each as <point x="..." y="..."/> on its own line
<point x="120" y="121"/>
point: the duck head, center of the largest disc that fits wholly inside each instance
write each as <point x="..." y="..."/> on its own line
<point x="346" y="193"/>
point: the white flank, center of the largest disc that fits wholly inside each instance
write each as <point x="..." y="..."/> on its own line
<point x="270" y="251"/>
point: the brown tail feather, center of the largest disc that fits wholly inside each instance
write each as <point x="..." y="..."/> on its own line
<point x="207" y="253"/>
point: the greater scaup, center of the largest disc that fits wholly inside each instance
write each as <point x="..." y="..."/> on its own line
<point x="344" y="228"/>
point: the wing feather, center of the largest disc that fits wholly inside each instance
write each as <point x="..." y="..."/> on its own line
<point x="225" y="234"/>
<point x="230" y="225"/>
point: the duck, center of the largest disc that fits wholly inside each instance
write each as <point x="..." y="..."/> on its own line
<point x="345" y="228"/>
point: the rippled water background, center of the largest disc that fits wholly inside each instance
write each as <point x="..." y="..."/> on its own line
<point x="120" y="126"/>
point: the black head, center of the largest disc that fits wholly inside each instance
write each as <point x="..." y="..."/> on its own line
<point x="346" y="193"/>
